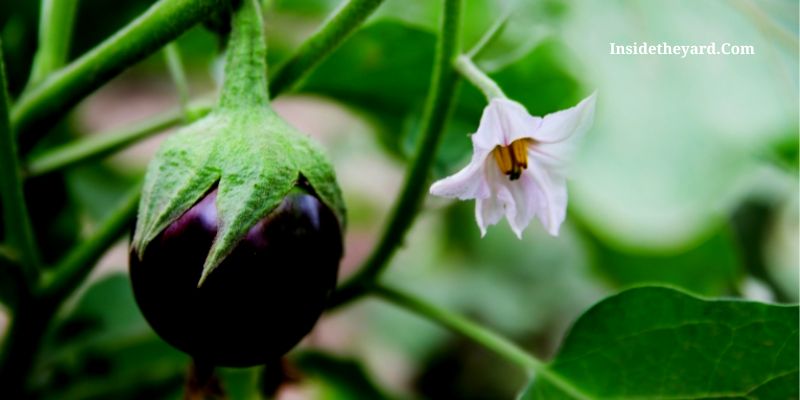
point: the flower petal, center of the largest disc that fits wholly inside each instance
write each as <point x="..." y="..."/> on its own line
<point x="549" y="195"/>
<point x="469" y="183"/>
<point x="504" y="121"/>
<point x="523" y="207"/>
<point x="489" y="210"/>
<point x="560" y="125"/>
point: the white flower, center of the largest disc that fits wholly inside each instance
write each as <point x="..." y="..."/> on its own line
<point x="518" y="165"/>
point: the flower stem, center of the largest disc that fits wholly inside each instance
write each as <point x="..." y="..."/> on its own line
<point x="172" y="56"/>
<point x="337" y="28"/>
<point x="44" y="104"/>
<point x="16" y="220"/>
<point x="485" y="337"/>
<point x="56" y="19"/>
<point x="439" y="104"/>
<point x="103" y="144"/>
<point x="490" y="34"/>
<point x="474" y="75"/>
<point x="245" y="84"/>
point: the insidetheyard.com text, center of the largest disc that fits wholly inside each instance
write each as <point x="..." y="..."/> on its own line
<point x="664" y="48"/>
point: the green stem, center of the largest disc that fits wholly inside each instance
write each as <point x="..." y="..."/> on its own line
<point x="333" y="32"/>
<point x="439" y="103"/>
<point x="474" y="75"/>
<point x="483" y="336"/>
<point x="103" y="144"/>
<point x="16" y="220"/>
<point x="36" y="304"/>
<point x="74" y="268"/>
<point x="172" y="55"/>
<point x="245" y="83"/>
<point x="45" y="103"/>
<point x="55" y="31"/>
<point x="491" y="34"/>
<point x="310" y="53"/>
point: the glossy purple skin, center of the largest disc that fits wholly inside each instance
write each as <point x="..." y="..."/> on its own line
<point x="263" y="298"/>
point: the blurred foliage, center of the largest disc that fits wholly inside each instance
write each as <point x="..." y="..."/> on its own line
<point x="340" y="378"/>
<point x="668" y="188"/>
<point x="101" y="347"/>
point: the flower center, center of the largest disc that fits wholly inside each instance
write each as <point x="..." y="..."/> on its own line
<point x="513" y="159"/>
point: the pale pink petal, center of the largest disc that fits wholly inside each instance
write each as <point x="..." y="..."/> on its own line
<point x="572" y="122"/>
<point x="487" y="212"/>
<point x="555" y="157"/>
<point x="517" y="123"/>
<point x="523" y="206"/>
<point x="504" y="121"/>
<point x="490" y="210"/>
<point x="469" y="183"/>
<point x="490" y="130"/>
<point x="549" y="196"/>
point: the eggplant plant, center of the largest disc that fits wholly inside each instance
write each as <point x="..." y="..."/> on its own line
<point x="236" y="234"/>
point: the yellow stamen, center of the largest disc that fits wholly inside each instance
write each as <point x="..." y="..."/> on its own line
<point x="519" y="148"/>
<point x="503" y="158"/>
<point x="514" y="158"/>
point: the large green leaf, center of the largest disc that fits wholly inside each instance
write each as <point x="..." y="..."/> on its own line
<point x="655" y="342"/>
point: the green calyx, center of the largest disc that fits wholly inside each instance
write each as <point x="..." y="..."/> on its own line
<point x="253" y="156"/>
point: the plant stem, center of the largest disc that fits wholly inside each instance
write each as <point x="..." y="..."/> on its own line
<point x="438" y="107"/>
<point x="37" y="109"/>
<point x="491" y="34"/>
<point x="17" y="224"/>
<point x="245" y="84"/>
<point x="55" y="31"/>
<point x="172" y="55"/>
<point x="74" y="268"/>
<point x="310" y="52"/>
<point x="481" y="335"/>
<point x="29" y="320"/>
<point x="334" y="31"/>
<point x="102" y="144"/>
<point x="474" y="75"/>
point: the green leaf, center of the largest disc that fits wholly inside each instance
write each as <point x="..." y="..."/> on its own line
<point x="655" y="342"/>
<point x="342" y="378"/>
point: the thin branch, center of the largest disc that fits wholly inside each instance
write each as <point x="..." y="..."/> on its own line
<point x="172" y="55"/>
<point x="481" y="335"/>
<point x="74" y="268"/>
<point x="332" y="33"/>
<point x="491" y="34"/>
<point x="103" y="144"/>
<point x="56" y="19"/>
<point x="438" y="107"/>
<point x="16" y="220"/>
<point x="37" y="109"/>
